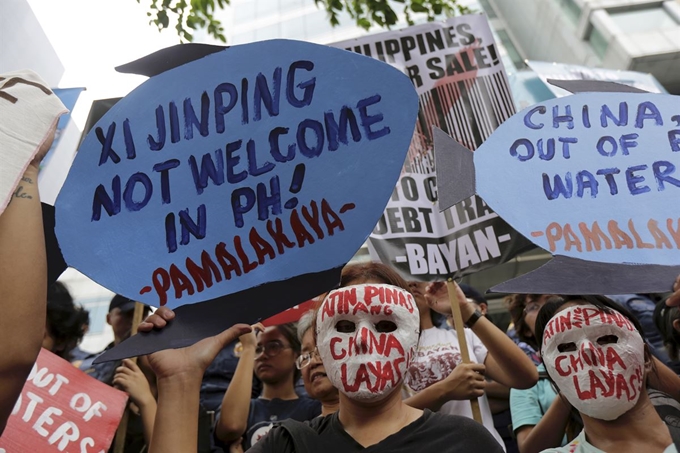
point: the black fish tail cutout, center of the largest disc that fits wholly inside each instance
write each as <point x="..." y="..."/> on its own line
<point x="455" y="170"/>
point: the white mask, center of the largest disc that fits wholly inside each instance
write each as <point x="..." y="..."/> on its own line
<point x="601" y="367"/>
<point x="364" y="358"/>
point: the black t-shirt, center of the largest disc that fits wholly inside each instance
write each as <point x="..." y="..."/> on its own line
<point x="264" y="413"/>
<point x="430" y="433"/>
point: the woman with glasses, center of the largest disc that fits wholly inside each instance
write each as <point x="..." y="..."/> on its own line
<point x="271" y="354"/>
<point x="314" y="376"/>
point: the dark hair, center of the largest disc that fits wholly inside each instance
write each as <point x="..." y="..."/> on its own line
<point x="372" y="271"/>
<point x="516" y="303"/>
<point x="66" y="322"/>
<point x="472" y="293"/>
<point x="289" y="331"/>
<point x="663" y="318"/>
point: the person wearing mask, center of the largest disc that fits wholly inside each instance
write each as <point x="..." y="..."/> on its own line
<point x="371" y="410"/>
<point x="594" y="351"/>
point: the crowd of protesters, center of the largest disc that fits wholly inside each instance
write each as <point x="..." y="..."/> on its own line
<point x="389" y="379"/>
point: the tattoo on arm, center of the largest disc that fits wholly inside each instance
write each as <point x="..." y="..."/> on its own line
<point x="25" y="179"/>
<point x="19" y="193"/>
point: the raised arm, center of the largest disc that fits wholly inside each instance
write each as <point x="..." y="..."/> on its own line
<point x="130" y="378"/>
<point x="465" y="382"/>
<point x="23" y="285"/>
<point x="505" y="362"/>
<point x="179" y="373"/>
<point x="236" y="402"/>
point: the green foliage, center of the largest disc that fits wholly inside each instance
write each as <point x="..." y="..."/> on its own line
<point x="189" y="15"/>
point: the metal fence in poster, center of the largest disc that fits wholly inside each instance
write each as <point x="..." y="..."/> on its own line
<point x="463" y="89"/>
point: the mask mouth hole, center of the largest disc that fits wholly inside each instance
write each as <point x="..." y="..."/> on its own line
<point x="345" y="326"/>
<point x="566" y="347"/>
<point x="385" y="326"/>
<point x="607" y="339"/>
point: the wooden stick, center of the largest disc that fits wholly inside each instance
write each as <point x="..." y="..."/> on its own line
<point x="121" y="433"/>
<point x="462" y="342"/>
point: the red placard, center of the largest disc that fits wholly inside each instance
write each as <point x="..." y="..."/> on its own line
<point x="61" y="409"/>
<point x="291" y="315"/>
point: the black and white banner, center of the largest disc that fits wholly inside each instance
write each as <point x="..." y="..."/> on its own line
<point x="457" y="71"/>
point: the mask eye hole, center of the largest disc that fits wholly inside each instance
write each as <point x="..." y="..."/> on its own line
<point x="385" y="326"/>
<point x="608" y="339"/>
<point x="345" y="326"/>
<point x="566" y="347"/>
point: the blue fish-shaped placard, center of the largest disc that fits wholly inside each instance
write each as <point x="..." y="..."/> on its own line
<point x="259" y="163"/>
<point x="593" y="178"/>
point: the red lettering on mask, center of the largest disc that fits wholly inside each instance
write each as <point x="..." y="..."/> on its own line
<point x="337" y="356"/>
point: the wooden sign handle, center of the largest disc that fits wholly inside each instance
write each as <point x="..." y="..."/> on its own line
<point x="462" y="342"/>
<point x="121" y="433"/>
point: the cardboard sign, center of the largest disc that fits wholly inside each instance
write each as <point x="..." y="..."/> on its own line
<point x="590" y="178"/>
<point x="456" y="69"/>
<point x="62" y="409"/>
<point x="254" y="164"/>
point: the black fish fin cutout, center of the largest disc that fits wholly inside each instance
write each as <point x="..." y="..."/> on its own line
<point x="195" y="322"/>
<point x="566" y="275"/>
<point x="169" y="58"/>
<point x="588" y="86"/>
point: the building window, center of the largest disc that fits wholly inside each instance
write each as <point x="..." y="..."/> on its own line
<point x="571" y="10"/>
<point x="511" y="50"/>
<point x="643" y="20"/>
<point x="598" y="42"/>
<point x="488" y="9"/>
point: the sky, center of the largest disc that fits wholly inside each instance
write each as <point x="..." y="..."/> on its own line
<point x="91" y="37"/>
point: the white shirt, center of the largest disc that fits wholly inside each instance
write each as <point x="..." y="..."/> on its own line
<point x="437" y="355"/>
<point x="581" y="445"/>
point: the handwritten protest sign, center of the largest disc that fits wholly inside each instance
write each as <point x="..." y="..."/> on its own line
<point x="62" y="409"/>
<point x="598" y="169"/>
<point x="456" y="69"/>
<point x="592" y="179"/>
<point x="257" y="163"/>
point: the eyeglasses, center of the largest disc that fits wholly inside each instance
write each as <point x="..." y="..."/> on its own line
<point x="532" y="307"/>
<point x="305" y="359"/>
<point x="272" y="349"/>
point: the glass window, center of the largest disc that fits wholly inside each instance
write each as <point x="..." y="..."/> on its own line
<point x="488" y="9"/>
<point x="598" y="42"/>
<point x="643" y="20"/>
<point x="317" y="23"/>
<point x="243" y="38"/>
<point x="571" y="10"/>
<point x="510" y="48"/>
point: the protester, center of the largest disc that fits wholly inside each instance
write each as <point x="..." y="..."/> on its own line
<point x="438" y="357"/>
<point x="271" y="353"/>
<point x="539" y="419"/>
<point x="179" y="373"/>
<point x="674" y="299"/>
<point x="119" y="318"/>
<point x="642" y="307"/>
<point x="371" y="411"/>
<point x="314" y="376"/>
<point x="667" y="320"/>
<point x="589" y="346"/>
<point x="65" y="324"/>
<point x="23" y="281"/>
<point x="130" y="379"/>
<point x="519" y="306"/>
